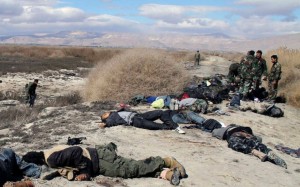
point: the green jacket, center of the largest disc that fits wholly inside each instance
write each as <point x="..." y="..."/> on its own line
<point x="275" y="72"/>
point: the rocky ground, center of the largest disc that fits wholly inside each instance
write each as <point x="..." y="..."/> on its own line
<point x="208" y="161"/>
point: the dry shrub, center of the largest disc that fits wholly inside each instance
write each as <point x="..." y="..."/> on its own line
<point x="86" y="53"/>
<point x="289" y="85"/>
<point x="136" y="71"/>
<point x="64" y="100"/>
<point x="91" y="54"/>
<point x="18" y="115"/>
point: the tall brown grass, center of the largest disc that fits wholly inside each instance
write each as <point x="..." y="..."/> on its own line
<point x="136" y="71"/>
<point x="289" y="85"/>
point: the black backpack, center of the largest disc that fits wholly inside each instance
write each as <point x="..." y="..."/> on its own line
<point x="274" y="111"/>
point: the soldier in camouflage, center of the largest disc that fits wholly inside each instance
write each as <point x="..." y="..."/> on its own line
<point x="261" y="70"/>
<point x="247" y="70"/>
<point x="274" y="77"/>
<point x="197" y="58"/>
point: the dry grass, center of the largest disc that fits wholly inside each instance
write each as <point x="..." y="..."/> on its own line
<point x="40" y="58"/>
<point x="289" y="85"/>
<point x="136" y="71"/>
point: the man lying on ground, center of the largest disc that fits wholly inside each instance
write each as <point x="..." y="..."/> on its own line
<point x="241" y="139"/>
<point x="13" y="168"/>
<point x="144" y="120"/>
<point x="78" y="163"/>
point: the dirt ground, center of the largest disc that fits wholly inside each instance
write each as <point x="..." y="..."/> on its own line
<point x="208" y="161"/>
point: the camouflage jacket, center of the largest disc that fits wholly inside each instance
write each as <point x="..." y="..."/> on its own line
<point x="275" y="72"/>
<point x="262" y="67"/>
<point x="248" y="67"/>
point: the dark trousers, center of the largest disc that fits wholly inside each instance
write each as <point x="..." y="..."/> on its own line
<point x="246" y="144"/>
<point x="146" y="119"/>
<point x="31" y="100"/>
<point x="112" y="165"/>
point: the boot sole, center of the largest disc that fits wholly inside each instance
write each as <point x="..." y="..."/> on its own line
<point x="175" y="180"/>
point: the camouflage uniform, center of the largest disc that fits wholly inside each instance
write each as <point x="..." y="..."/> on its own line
<point x="260" y="70"/>
<point x="274" y="77"/>
<point x="248" y="69"/>
<point x="112" y="165"/>
<point x="197" y="58"/>
<point x="233" y="72"/>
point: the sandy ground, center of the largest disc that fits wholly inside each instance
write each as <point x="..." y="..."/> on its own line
<point x="208" y="161"/>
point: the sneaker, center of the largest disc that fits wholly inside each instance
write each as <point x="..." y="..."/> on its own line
<point x="276" y="159"/>
<point x="175" y="179"/>
<point x="179" y="130"/>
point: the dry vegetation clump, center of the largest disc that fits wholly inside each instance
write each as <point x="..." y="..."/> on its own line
<point x="19" y="115"/>
<point x="41" y="58"/>
<point x="289" y="85"/>
<point x="136" y="71"/>
<point x="65" y="100"/>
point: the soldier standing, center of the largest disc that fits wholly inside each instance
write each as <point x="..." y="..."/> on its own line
<point x="247" y="73"/>
<point x="274" y="77"/>
<point x="261" y="71"/>
<point x="197" y="58"/>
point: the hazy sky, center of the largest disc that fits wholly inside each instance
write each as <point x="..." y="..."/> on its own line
<point x="240" y="18"/>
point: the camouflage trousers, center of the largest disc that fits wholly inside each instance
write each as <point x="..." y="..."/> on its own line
<point x="245" y="87"/>
<point x="200" y="105"/>
<point x="246" y="144"/>
<point x="112" y="165"/>
<point x="273" y="88"/>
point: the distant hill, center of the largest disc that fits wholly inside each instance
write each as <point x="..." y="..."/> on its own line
<point x="214" y="41"/>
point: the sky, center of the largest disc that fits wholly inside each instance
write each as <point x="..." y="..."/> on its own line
<point x="235" y="18"/>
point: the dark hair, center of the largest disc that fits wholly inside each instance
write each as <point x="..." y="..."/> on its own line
<point x="36" y="80"/>
<point x="34" y="157"/>
<point x="259" y="51"/>
<point x="197" y="50"/>
<point x="274" y="56"/>
<point x="251" y="53"/>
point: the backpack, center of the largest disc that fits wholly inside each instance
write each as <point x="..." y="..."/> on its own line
<point x="136" y="100"/>
<point x="274" y="111"/>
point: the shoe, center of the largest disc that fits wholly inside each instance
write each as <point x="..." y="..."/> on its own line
<point x="172" y="163"/>
<point x="179" y="130"/>
<point x="276" y="159"/>
<point x="48" y="173"/>
<point x="175" y="179"/>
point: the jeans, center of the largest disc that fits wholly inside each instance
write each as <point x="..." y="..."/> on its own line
<point x="31" y="100"/>
<point x="188" y="117"/>
<point x="12" y="167"/>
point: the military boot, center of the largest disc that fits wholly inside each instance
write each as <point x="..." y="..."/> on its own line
<point x="276" y="159"/>
<point x="262" y="156"/>
<point x="172" y="175"/>
<point x="19" y="184"/>
<point x="171" y="162"/>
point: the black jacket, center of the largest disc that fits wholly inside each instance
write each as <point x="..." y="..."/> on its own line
<point x="32" y="88"/>
<point x="74" y="157"/>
